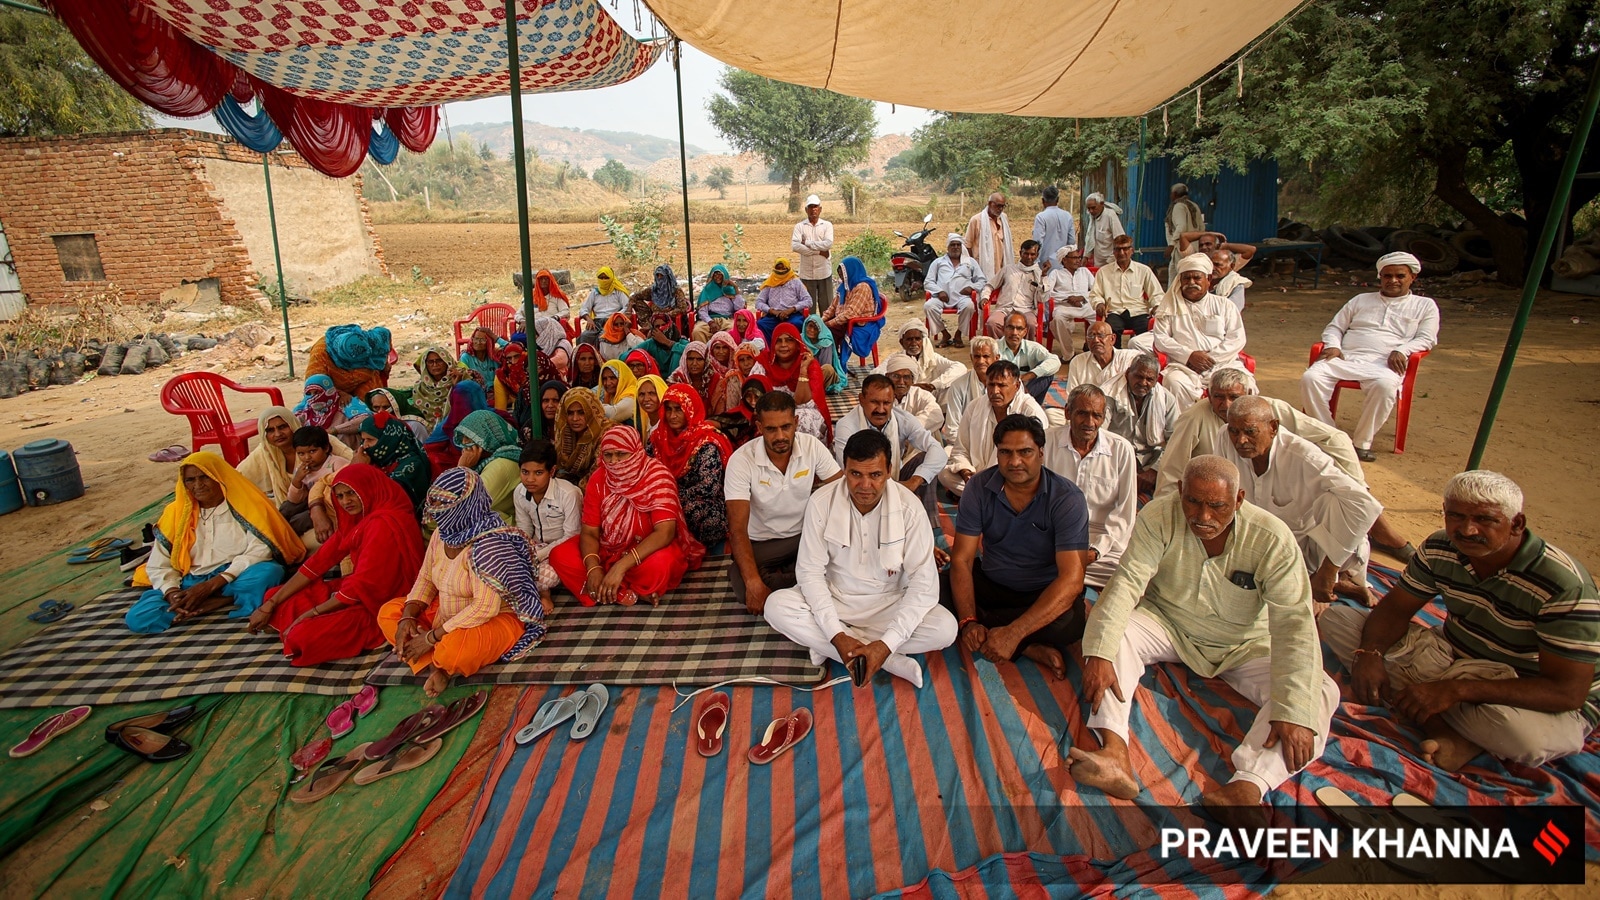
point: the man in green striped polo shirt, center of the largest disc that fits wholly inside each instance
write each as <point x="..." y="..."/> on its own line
<point x="1512" y="670"/>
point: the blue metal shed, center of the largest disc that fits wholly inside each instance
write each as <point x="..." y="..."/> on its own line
<point x="1241" y="205"/>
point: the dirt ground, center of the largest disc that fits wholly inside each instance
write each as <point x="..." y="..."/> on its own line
<point x="1544" y="437"/>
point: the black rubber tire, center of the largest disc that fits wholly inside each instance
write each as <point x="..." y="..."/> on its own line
<point x="1352" y="242"/>
<point x="111" y="361"/>
<point x="1379" y="232"/>
<point x="1297" y="231"/>
<point x="1437" y="256"/>
<point x="1474" y="249"/>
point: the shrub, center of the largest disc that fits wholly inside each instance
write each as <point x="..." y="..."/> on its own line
<point x="872" y="248"/>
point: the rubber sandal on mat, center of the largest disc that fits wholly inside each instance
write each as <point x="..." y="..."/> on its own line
<point x="592" y="702"/>
<point x="710" y="722"/>
<point x="49" y="729"/>
<point x="329" y="776"/>
<point x="402" y="760"/>
<point x="781" y="735"/>
<point x="456" y="714"/>
<point x="409" y="727"/>
<point x="50" y="611"/>
<point x="551" y="714"/>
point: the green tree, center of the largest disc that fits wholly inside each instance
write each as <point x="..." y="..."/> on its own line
<point x="806" y="133"/>
<point x="615" y="176"/>
<point x="484" y="153"/>
<point x="719" y="180"/>
<point x="49" y="86"/>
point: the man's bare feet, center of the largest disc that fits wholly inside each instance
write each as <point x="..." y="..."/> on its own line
<point x="1448" y="750"/>
<point x="1344" y="587"/>
<point x="1049" y="657"/>
<point x="437" y="681"/>
<point x="1107" y="769"/>
<point x="1236" y="804"/>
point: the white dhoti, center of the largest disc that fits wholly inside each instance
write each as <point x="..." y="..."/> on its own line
<point x="1066" y="321"/>
<point x="789" y="614"/>
<point x="1186" y="385"/>
<point x="1144" y="343"/>
<point x="1380" y="386"/>
<point x="1338" y="531"/>
<point x="1145" y="642"/>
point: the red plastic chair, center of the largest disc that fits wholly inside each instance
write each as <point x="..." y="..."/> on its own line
<point x="1040" y="333"/>
<point x="198" y="395"/>
<point x="1402" y="413"/>
<point x="850" y="324"/>
<point x="977" y="299"/>
<point x="499" y="318"/>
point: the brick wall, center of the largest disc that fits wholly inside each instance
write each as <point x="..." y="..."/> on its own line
<point x="145" y="197"/>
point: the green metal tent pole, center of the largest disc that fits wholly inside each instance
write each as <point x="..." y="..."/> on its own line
<point x="683" y="160"/>
<point x="25" y="7"/>
<point x="1541" y="257"/>
<point x="536" y="408"/>
<point x="277" y="260"/>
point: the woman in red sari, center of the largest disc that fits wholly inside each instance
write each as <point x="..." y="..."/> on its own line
<point x="790" y="367"/>
<point x="635" y="544"/>
<point x="321" y="621"/>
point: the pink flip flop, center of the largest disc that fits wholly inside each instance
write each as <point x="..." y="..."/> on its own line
<point x="781" y="735"/>
<point x="46" y="731"/>
<point x="342" y="720"/>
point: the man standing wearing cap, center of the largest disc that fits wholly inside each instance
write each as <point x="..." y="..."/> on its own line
<point x="953" y="280"/>
<point x="813" y="241"/>
<point x="1370" y="342"/>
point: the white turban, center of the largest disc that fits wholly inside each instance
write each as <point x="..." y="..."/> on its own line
<point x="1400" y="259"/>
<point x="901" y="361"/>
<point x="955" y="238"/>
<point x="1061" y="255"/>
<point x="911" y="325"/>
<point x="1196" y="262"/>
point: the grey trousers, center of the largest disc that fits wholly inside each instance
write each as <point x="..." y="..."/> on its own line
<point x="774" y="559"/>
<point x="821" y="291"/>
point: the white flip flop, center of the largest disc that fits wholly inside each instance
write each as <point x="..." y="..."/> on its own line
<point x="591" y="706"/>
<point x="550" y="715"/>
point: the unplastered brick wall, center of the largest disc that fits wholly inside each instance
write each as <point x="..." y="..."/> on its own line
<point x="156" y="218"/>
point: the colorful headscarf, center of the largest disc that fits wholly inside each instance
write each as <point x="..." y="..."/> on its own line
<point x="500" y="556"/>
<point x="640" y="356"/>
<point x="400" y="454"/>
<point x="576" y="451"/>
<point x="605" y="281"/>
<point x="626" y="383"/>
<point x="664" y="289"/>
<point x="383" y="542"/>
<point x="351" y="347"/>
<point x="722" y="337"/>
<point x="633" y="490"/>
<point x="855" y="272"/>
<point x="745" y="352"/>
<point x="824" y="335"/>
<point x="782" y="273"/>
<point x="513" y="371"/>
<point x="675" y="449"/>
<point x="431" y="396"/>
<point x="267" y="463"/>
<point x="713" y="291"/>
<point x="745" y="329"/>
<point x="489" y="431"/>
<point x="641" y="419"/>
<point x="321" y="404"/>
<point x="466" y="398"/>
<point x="256" y="514"/>
<point x="708" y="375"/>
<point x="616" y="330"/>
<point x="663" y="322"/>
<point x="579" y="379"/>
<point x="541" y="297"/>
<point x="787" y="377"/>
<point x="746" y="409"/>
<point x="395" y="406"/>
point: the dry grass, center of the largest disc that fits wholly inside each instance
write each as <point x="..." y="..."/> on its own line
<point x="102" y="315"/>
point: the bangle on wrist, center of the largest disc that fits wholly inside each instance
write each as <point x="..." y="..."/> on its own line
<point x="969" y="620"/>
<point x="1356" y="654"/>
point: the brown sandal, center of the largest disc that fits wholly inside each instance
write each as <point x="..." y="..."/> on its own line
<point x="404" y="760"/>
<point x="329" y="776"/>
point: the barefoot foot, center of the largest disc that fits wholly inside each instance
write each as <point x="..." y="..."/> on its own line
<point x="1049" y="657"/>
<point x="436" y="683"/>
<point x="1102" y="769"/>
<point x="1236" y="804"/>
<point x="1345" y="587"/>
<point x="1449" y="752"/>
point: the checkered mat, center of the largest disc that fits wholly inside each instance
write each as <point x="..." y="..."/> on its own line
<point x="92" y="658"/>
<point x="699" y="635"/>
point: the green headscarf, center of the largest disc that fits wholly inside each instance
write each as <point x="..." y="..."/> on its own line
<point x="497" y="438"/>
<point x="713" y="291"/>
<point x="400" y="454"/>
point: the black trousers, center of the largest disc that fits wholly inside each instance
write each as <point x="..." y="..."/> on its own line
<point x="1125" y="321"/>
<point x="1001" y="605"/>
<point x="775" y="561"/>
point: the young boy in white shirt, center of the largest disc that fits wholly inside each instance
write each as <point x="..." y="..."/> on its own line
<point x="308" y="485"/>
<point x="549" y="510"/>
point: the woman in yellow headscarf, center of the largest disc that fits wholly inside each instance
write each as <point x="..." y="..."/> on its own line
<point x="617" y="391"/>
<point x="648" y="396"/>
<point x="606" y="298"/>
<point x="783" y="298"/>
<point x="220" y="542"/>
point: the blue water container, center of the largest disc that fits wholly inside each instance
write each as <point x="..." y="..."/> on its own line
<point x="10" y="491"/>
<point x="48" y="470"/>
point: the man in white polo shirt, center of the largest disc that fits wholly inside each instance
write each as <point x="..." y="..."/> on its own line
<point x="767" y="485"/>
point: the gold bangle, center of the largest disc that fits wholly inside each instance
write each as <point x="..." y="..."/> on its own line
<point x="635" y="552"/>
<point x="600" y="569"/>
<point x="595" y="555"/>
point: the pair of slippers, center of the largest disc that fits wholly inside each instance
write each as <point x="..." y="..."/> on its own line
<point x="50" y="728"/>
<point x="98" y="551"/>
<point x="342" y="720"/>
<point x="711" y="721"/>
<point x="150" y="737"/>
<point x="416" y="740"/>
<point x="584" y="708"/>
<point x="50" y="611"/>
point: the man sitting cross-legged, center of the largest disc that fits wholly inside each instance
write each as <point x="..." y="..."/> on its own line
<point x="1216" y="583"/>
<point x="934" y="373"/>
<point x="867" y="582"/>
<point x="219" y="543"/>
<point x="970" y="386"/>
<point x="903" y="373"/>
<point x="1102" y="464"/>
<point x="1328" y="511"/>
<point x="1512" y="670"/>
<point x="1144" y="413"/>
<point x="1025" y="595"/>
<point x="1198" y="331"/>
<point x="1105" y="364"/>
<point x="973" y="450"/>
<point x="767" y="485"/>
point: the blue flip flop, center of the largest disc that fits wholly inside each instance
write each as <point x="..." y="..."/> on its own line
<point x="101" y="545"/>
<point x="50" y="611"/>
<point x="97" y="556"/>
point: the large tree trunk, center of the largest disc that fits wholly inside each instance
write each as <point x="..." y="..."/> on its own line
<point x="794" y="193"/>
<point x="1509" y="242"/>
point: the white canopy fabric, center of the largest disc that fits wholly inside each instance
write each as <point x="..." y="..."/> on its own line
<point x="1062" y="58"/>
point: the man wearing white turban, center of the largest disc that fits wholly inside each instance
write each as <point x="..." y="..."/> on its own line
<point x="1197" y="330"/>
<point x="953" y="281"/>
<point x="1370" y="341"/>
<point x="1105" y="223"/>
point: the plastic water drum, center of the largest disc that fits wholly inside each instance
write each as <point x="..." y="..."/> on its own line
<point x="10" y="491"/>
<point x="48" y="470"/>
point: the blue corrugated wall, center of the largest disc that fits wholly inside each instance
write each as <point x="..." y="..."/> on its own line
<point x="1243" y="206"/>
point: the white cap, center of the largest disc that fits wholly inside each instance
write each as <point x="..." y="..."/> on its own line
<point x="813" y="200"/>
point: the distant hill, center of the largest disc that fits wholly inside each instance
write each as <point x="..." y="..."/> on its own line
<point x="586" y="148"/>
<point x="883" y="149"/>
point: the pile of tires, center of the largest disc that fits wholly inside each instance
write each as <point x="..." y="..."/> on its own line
<point x="1442" y="249"/>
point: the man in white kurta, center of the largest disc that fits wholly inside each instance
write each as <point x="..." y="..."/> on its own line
<point x="973" y="448"/>
<point x="1225" y="278"/>
<point x="1144" y="413"/>
<point x="1068" y="288"/>
<point x="1216" y="583"/>
<point x="935" y="373"/>
<point x="903" y="372"/>
<point x="915" y="456"/>
<point x="953" y="281"/>
<point x="1197" y="330"/>
<point x="1104" y="365"/>
<point x="866" y="581"/>
<point x="812" y="242"/>
<point x="1018" y="288"/>
<point x="1038" y="365"/>
<point x="1103" y="227"/>
<point x="1102" y="465"/>
<point x="1370" y="341"/>
<point x="969" y="386"/>
<point x="1125" y="292"/>
<point x="1328" y="511"/>
<point x="989" y="237"/>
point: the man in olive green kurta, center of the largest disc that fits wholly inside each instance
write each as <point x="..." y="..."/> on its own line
<point x="1217" y="584"/>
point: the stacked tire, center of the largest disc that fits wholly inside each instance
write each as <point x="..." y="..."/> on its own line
<point x="1436" y="254"/>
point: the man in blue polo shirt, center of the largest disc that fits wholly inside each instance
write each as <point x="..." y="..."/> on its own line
<point x="1033" y="527"/>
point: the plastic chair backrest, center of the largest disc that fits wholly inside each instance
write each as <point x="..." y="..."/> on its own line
<point x="199" y="394"/>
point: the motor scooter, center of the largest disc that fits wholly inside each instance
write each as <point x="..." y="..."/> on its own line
<point x="911" y="264"/>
